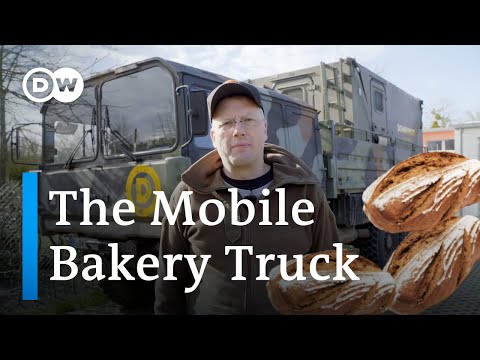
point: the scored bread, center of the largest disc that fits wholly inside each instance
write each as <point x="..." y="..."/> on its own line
<point x="371" y="294"/>
<point x="425" y="269"/>
<point x="422" y="191"/>
<point x="428" y="266"/>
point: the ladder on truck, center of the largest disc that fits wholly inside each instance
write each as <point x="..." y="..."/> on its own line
<point x="332" y="78"/>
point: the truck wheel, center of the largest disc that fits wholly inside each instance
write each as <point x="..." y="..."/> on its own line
<point x="380" y="246"/>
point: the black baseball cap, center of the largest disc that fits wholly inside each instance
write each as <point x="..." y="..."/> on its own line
<point x="232" y="88"/>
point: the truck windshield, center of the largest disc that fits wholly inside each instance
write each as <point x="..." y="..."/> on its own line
<point x="138" y="114"/>
<point x="70" y="129"/>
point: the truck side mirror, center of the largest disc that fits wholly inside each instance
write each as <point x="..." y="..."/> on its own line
<point x="198" y="104"/>
<point x="25" y="150"/>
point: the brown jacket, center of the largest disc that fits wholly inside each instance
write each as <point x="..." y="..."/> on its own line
<point x="217" y="292"/>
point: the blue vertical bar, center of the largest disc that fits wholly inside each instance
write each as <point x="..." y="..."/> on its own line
<point x="29" y="236"/>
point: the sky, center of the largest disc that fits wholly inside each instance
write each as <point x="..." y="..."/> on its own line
<point x="442" y="76"/>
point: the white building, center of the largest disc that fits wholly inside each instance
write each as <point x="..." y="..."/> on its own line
<point x="467" y="143"/>
<point x="467" y="139"/>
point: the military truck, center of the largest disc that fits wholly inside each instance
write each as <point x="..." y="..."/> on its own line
<point x="366" y="125"/>
<point x="136" y="128"/>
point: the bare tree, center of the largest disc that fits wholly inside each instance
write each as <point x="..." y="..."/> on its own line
<point x="15" y="62"/>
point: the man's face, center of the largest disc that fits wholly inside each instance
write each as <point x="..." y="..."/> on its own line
<point x="239" y="132"/>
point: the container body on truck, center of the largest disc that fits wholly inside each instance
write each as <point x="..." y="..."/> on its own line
<point x="367" y="125"/>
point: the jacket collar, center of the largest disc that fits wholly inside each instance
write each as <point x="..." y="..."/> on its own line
<point x="204" y="176"/>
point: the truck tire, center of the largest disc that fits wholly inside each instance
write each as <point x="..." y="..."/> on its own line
<point x="380" y="246"/>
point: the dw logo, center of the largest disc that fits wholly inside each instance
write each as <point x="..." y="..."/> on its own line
<point x="56" y="87"/>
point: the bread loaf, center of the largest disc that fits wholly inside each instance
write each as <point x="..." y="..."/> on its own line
<point x="372" y="294"/>
<point x="420" y="195"/>
<point x="428" y="266"/>
<point x="425" y="269"/>
<point x="422" y="191"/>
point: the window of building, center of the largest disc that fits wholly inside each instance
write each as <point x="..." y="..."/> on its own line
<point x="450" y="144"/>
<point x="434" y="145"/>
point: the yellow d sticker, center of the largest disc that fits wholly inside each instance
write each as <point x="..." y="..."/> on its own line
<point x="141" y="183"/>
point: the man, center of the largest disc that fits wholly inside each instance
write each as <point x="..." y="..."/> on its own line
<point x="241" y="160"/>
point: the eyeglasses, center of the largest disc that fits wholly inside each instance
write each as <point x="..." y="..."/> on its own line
<point x="247" y="123"/>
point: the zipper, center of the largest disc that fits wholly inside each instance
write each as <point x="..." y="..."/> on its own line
<point x="247" y="301"/>
<point x="242" y="215"/>
<point x="248" y="292"/>
<point x="248" y="289"/>
<point x="248" y="230"/>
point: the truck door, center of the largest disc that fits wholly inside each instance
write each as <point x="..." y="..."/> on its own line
<point x="379" y="110"/>
<point x="303" y="139"/>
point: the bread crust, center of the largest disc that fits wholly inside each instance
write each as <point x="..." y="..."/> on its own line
<point x="422" y="191"/>
<point x="420" y="195"/>
<point x="372" y="294"/>
<point x="428" y="266"/>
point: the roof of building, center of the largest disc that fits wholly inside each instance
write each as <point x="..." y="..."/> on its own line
<point x="438" y="129"/>
<point x="467" y="125"/>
